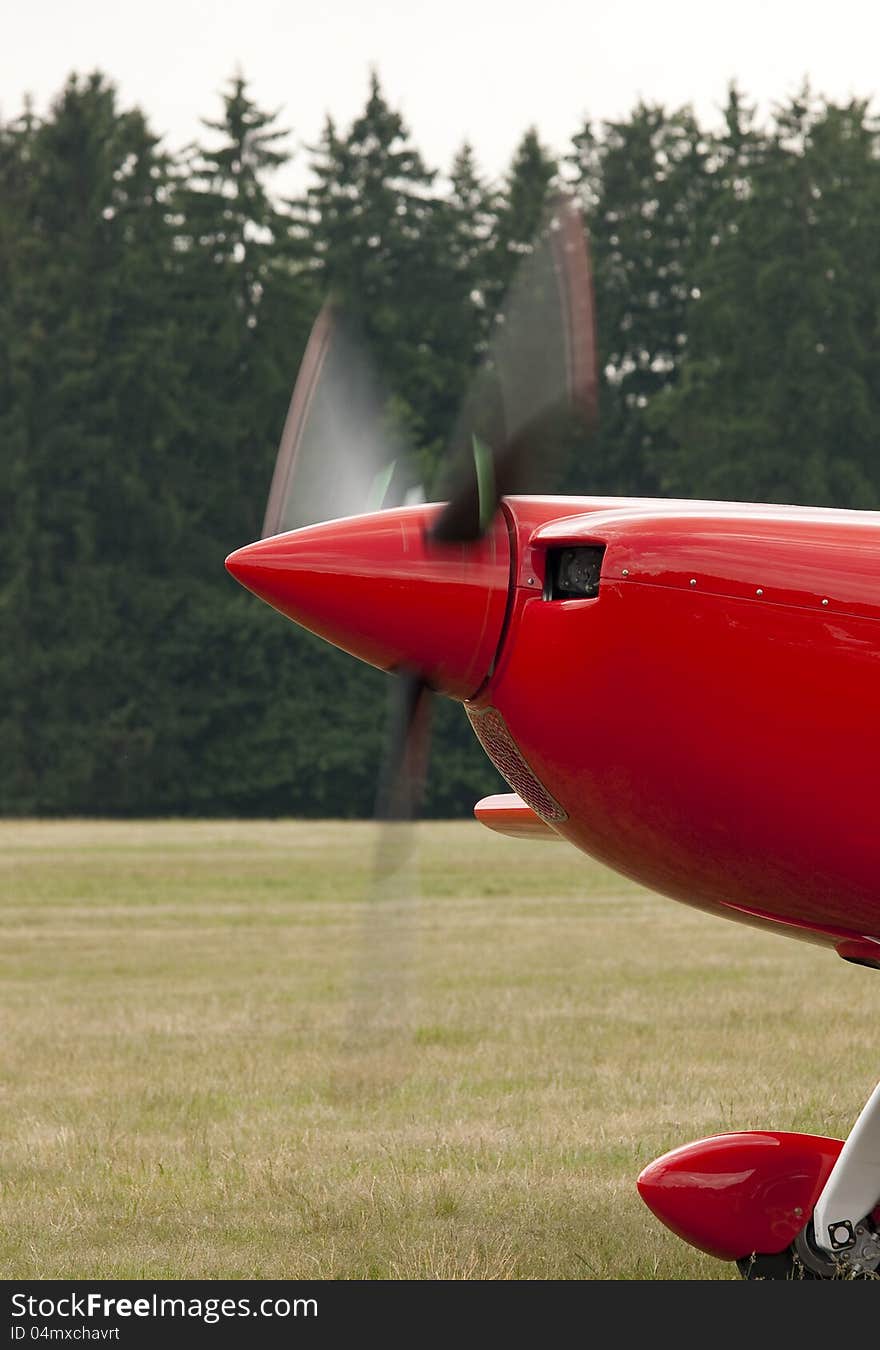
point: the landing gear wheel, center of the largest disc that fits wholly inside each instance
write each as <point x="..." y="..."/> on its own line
<point x="804" y="1260"/>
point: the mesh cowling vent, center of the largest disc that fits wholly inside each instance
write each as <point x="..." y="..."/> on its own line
<point x="491" y="731"/>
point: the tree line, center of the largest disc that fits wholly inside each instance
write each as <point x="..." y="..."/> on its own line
<point x="153" y="311"/>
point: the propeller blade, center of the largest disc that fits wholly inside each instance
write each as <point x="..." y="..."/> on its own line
<point x="404" y="773"/>
<point x="380" y="1010"/>
<point x="337" y="455"/>
<point x="541" y="371"/>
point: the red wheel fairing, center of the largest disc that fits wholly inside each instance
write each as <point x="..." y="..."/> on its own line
<point x="735" y="1194"/>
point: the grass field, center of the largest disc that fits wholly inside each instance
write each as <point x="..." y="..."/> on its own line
<point x="221" y="1058"/>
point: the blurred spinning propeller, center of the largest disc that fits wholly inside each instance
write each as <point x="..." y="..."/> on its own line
<point x="338" y="453"/>
<point x="340" y="456"/>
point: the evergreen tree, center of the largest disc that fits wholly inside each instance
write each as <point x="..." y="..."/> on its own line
<point x="92" y="521"/>
<point x="779" y="398"/>
<point x="520" y="208"/>
<point x="16" y="493"/>
<point x="370" y="222"/>
<point x="250" y="305"/>
<point x="646" y="183"/>
<point x="457" y="315"/>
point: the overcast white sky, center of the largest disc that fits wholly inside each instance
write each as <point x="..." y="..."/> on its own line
<point x="477" y="69"/>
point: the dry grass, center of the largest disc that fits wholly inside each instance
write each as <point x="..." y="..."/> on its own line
<point x="222" y="1059"/>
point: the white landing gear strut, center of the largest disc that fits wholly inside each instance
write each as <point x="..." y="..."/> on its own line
<point x="851" y="1193"/>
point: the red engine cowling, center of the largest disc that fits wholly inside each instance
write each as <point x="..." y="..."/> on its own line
<point x="736" y="1194"/>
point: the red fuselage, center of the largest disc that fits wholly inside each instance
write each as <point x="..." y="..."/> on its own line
<point x="708" y="724"/>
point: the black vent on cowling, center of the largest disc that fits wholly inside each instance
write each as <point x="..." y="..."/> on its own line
<point x="574" y="573"/>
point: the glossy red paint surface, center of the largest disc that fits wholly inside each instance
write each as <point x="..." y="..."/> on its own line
<point x="716" y="744"/>
<point x="736" y="1194"/>
<point x="376" y="587"/>
<point x="506" y="813"/>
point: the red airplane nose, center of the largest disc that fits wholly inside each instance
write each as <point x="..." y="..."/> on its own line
<point x="378" y="587"/>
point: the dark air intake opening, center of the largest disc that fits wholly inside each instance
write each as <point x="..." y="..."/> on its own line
<point x="574" y="573"/>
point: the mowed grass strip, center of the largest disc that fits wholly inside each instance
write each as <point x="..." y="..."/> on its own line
<point x="224" y="1055"/>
